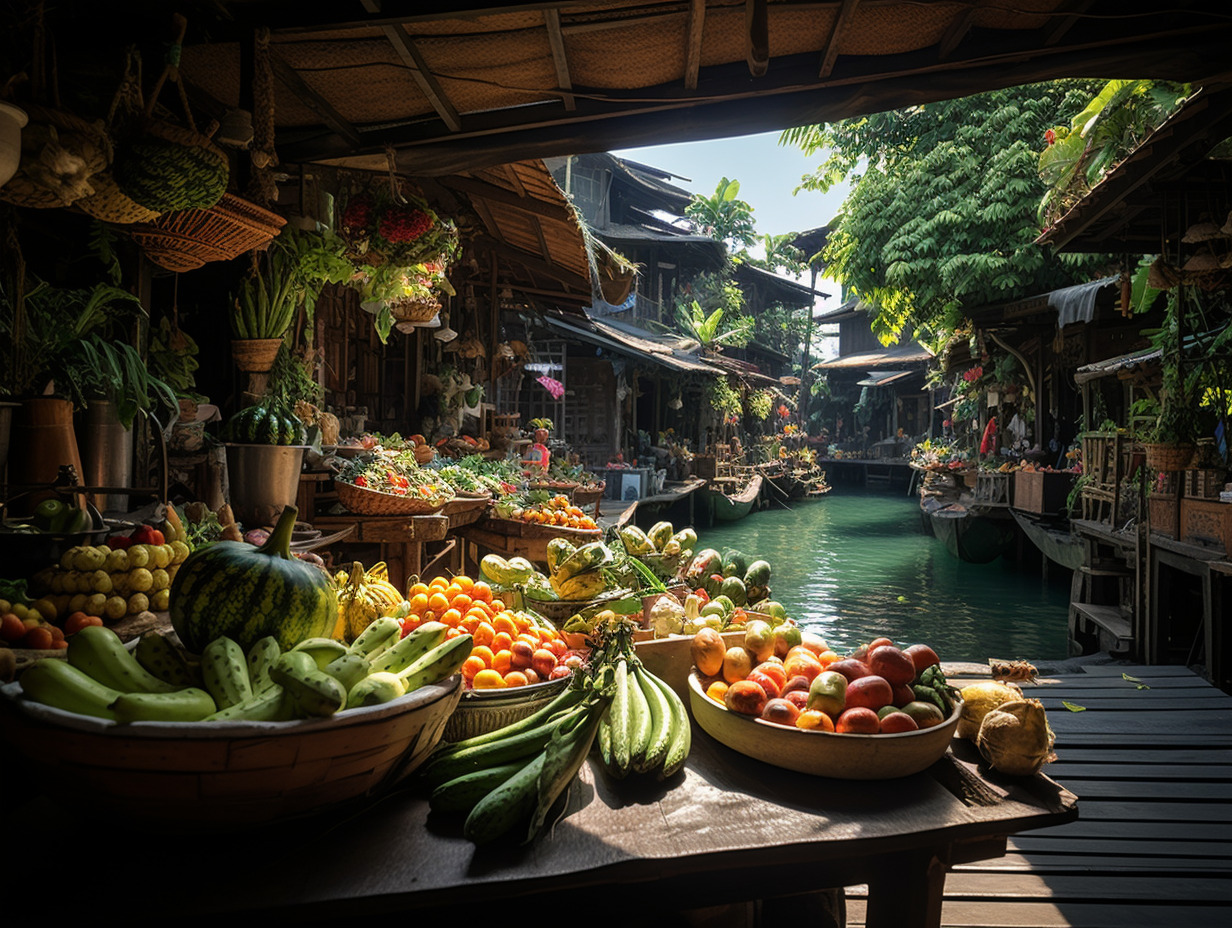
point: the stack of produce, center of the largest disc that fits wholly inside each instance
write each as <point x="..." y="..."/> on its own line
<point x="553" y="511"/>
<point x="790" y="677"/>
<point x="1010" y="730"/>
<point x="744" y="581"/>
<point x="363" y="597"/>
<point x="267" y="423"/>
<point x="397" y="474"/>
<point x="317" y="677"/>
<point x="662" y="548"/>
<point x="577" y="574"/>
<point x="510" y="648"/>
<point x="127" y="575"/>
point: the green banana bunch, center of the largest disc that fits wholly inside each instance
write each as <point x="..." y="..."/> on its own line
<point x="933" y="688"/>
<point x="509" y="778"/>
<point x="646" y="729"/>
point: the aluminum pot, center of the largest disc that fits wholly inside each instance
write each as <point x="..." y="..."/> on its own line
<point x="263" y="480"/>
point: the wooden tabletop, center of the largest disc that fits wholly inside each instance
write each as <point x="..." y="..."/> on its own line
<point x="727" y="829"/>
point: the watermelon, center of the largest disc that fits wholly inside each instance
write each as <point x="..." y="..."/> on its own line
<point x="235" y="589"/>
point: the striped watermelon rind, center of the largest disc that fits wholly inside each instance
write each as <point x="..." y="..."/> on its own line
<point x="235" y="589"/>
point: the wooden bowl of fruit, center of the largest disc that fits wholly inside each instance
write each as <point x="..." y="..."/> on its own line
<point x="847" y="756"/>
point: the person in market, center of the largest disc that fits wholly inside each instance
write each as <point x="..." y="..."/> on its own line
<point x="538" y="457"/>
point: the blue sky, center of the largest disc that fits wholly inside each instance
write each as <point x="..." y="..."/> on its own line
<point x="767" y="172"/>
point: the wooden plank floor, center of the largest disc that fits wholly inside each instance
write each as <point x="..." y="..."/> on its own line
<point x="1152" y="847"/>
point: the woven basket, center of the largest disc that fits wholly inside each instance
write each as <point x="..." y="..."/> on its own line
<point x="109" y="204"/>
<point x="172" y="168"/>
<point x="186" y="239"/>
<point x="52" y="142"/>
<point x="211" y="775"/>
<point x="584" y="496"/>
<point x="414" y="310"/>
<point x="255" y="355"/>
<point x="1161" y="457"/>
<point x="481" y="711"/>
<point x="365" y="502"/>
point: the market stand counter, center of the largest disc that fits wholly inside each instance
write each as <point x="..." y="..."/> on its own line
<point x="402" y="538"/>
<point x="728" y="829"/>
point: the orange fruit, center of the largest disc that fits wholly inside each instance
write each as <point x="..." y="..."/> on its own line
<point x="465" y="583"/>
<point x="451" y="617"/>
<point x="502" y="641"/>
<point x="438" y="602"/>
<point x="488" y="679"/>
<point x="418" y="603"/>
<point x="505" y="623"/>
<point x="461" y="602"/>
<point x="484" y="653"/>
<point x="471" y="666"/>
<point x="484" y="633"/>
<point x="502" y="661"/>
<point x="516" y="678"/>
<point x="481" y="592"/>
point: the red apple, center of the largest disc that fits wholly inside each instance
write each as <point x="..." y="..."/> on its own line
<point x="766" y="682"/>
<point x="922" y="656"/>
<point x="858" y="720"/>
<point x="781" y="712"/>
<point x="889" y="662"/>
<point x="895" y="722"/>
<point x="850" y="668"/>
<point x="871" y="692"/>
<point x="798" y="698"/>
<point x="903" y="694"/>
<point x="745" y="697"/>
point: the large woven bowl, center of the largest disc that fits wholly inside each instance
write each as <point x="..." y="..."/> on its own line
<point x="481" y="711"/>
<point x="206" y="775"/>
<point x="826" y="754"/>
<point x="365" y="502"/>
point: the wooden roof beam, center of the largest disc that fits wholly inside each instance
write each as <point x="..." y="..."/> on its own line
<point x="693" y="43"/>
<point x="757" y="39"/>
<point x="405" y="46"/>
<point x="841" y="21"/>
<point x="1057" y="31"/>
<point x="314" y="101"/>
<point x="531" y="263"/>
<point x="560" y="59"/>
<point x="956" y="32"/>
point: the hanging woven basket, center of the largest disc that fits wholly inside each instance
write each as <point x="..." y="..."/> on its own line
<point x="186" y="239"/>
<point x="1165" y="457"/>
<point x="108" y="203"/>
<point x="419" y="309"/>
<point x="255" y="355"/>
<point x="60" y="155"/>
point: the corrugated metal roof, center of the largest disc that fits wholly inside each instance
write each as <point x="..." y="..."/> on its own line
<point x="887" y="357"/>
<point x="883" y="378"/>
<point x="659" y="350"/>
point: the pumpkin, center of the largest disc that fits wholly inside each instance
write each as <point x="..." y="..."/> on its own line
<point x="245" y="592"/>
<point x="363" y="597"/>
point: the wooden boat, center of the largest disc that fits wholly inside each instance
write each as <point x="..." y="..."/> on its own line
<point x="972" y="535"/>
<point x="1059" y="544"/>
<point x="675" y="499"/>
<point x="731" y="505"/>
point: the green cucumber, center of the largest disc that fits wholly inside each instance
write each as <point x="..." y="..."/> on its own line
<point x="187" y="705"/>
<point x="56" y="683"/>
<point x="98" y="651"/>
<point x="461" y="794"/>
<point x="418" y="643"/>
<point x="224" y="672"/>
<point x="261" y="657"/>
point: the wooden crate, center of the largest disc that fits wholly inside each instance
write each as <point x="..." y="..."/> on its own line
<point x="1206" y="522"/>
<point x="1042" y="493"/>
<point x="1164" y="511"/>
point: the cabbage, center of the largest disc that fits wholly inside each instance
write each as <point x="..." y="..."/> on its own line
<point x="1015" y="738"/>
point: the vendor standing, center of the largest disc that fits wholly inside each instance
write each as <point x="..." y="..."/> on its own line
<point x="537" y="458"/>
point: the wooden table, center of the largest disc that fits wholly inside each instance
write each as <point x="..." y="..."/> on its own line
<point x="729" y="829"/>
<point x="401" y="538"/>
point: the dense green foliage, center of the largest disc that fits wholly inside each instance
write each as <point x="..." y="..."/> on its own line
<point x="723" y="216"/>
<point x="942" y="214"/>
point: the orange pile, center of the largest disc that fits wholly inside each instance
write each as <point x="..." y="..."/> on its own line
<point x="556" y="511"/>
<point x="510" y="649"/>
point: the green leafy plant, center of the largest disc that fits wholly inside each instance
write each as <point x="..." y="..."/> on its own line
<point x="723" y="398"/>
<point x="723" y="215"/>
<point x="759" y="404"/>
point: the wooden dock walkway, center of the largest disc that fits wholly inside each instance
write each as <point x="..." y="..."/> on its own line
<point x="1150" y="759"/>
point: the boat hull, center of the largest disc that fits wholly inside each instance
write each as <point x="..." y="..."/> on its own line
<point x="731" y="508"/>
<point x="971" y="536"/>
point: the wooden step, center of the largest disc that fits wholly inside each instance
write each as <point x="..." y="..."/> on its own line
<point x="1109" y="618"/>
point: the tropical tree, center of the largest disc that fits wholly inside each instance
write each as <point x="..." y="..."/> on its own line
<point x="942" y="211"/>
<point x="781" y="254"/>
<point x="723" y="216"/>
<point x="707" y="326"/>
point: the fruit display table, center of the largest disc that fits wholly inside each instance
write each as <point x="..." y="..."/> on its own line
<point x="732" y="830"/>
<point x="401" y="537"/>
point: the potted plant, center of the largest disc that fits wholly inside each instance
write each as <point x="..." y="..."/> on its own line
<point x="290" y="274"/>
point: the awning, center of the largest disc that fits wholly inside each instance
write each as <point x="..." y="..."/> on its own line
<point x="1110" y="366"/>
<point x="894" y="356"/>
<point x="882" y="378"/>
<point x="1077" y="304"/>
<point x="643" y="348"/>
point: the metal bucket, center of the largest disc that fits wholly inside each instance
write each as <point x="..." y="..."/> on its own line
<point x="263" y="480"/>
<point x="42" y="439"/>
<point x="106" y="454"/>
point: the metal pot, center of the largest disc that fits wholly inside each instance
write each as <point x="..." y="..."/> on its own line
<point x="106" y="453"/>
<point x="263" y="480"/>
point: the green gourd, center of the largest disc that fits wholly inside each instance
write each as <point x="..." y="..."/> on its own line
<point x="244" y="592"/>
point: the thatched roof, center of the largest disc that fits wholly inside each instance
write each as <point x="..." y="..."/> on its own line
<point x="457" y="86"/>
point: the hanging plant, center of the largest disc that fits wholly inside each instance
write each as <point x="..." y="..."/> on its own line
<point x="380" y="230"/>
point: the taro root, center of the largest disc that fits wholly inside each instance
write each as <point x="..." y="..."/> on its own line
<point x="978" y="700"/>
<point x="1015" y="738"/>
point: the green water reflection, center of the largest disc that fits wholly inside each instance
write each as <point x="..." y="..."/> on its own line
<point x="856" y="564"/>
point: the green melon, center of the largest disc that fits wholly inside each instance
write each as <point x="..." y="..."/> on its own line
<point x="235" y="589"/>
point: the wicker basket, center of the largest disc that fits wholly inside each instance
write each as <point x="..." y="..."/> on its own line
<point x="255" y="355"/>
<point x="1167" y="458"/>
<point x="211" y="775"/>
<point x="186" y="239"/>
<point x="108" y="203"/>
<point x="51" y="140"/>
<point x="584" y="496"/>
<point x="481" y="711"/>
<point x="417" y="310"/>
<point x="365" y="502"/>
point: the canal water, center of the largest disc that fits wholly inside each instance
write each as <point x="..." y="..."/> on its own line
<point x="856" y="564"/>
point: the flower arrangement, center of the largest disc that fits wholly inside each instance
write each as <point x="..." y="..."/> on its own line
<point x="402" y="232"/>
